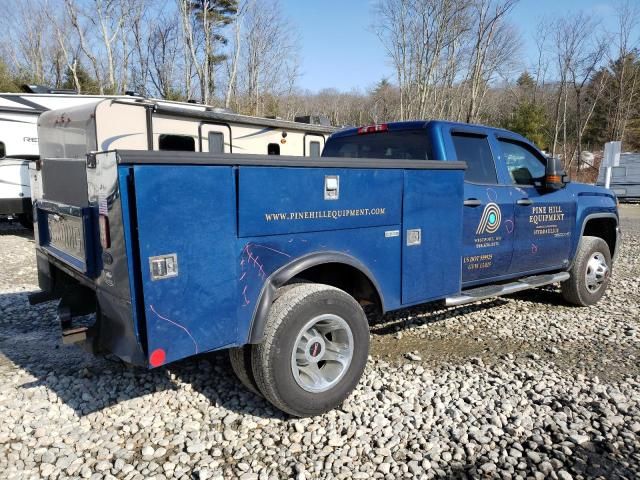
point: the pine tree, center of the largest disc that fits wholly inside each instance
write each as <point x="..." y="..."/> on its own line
<point x="88" y="85"/>
<point x="529" y="120"/>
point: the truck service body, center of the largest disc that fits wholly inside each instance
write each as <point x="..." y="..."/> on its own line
<point x="180" y="253"/>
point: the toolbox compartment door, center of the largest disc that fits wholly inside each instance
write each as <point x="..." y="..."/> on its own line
<point x="280" y="201"/>
<point x="187" y="214"/>
<point x="432" y="234"/>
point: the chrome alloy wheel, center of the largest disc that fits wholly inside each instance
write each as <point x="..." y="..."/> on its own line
<point x="322" y="353"/>
<point x="596" y="273"/>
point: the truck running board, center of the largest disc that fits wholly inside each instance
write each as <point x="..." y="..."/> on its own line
<point x="489" y="291"/>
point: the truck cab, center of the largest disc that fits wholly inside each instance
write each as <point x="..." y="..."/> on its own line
<point x="514" y="223"/>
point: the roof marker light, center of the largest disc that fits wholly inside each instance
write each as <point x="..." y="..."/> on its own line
<point x="380" y="127"/>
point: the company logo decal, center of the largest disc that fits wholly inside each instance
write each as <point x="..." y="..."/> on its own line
<point x="490" y="220"/>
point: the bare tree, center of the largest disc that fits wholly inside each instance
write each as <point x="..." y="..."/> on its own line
<point x="626" y="76"/>
<point x="493" y="43"/>
<point x="234" y="60"/>
<point x="578" y="53"/>
<point x="267" y="35"/>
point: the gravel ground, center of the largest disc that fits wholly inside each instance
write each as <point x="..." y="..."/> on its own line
<point x="520" y="387"/>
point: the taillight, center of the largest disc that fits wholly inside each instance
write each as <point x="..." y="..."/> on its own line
<point x="105" y="236"/>
<point x="381" y="127"/>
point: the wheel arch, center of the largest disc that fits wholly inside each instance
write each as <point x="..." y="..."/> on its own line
<point x="333" y="268"/>
<point x="604" y="226"/>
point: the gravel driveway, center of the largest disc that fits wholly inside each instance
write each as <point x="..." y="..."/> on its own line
<point x="519" y="387"/>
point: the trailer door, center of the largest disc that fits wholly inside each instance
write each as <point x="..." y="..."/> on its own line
<point x="215" y="138"/>
<point x="313" y="144"/>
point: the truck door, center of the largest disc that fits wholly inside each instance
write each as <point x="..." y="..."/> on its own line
<point x="215" y="138"/>
<point x="488" y="210"/>
<point x="543" y="220"/>
<point x="313" y="145"/>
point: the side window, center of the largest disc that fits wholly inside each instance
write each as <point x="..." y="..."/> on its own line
<point x="273" y="149"/>
<point x="475" y="150"/>
<point x="182" y="143"/>
<point x="314" y="149"/>
<point x="3" y="151"/>
<point x="216" y="142"/>
<point x="524" y="166"/>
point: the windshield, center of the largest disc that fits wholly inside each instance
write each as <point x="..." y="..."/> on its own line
<point x="400" y="144"/>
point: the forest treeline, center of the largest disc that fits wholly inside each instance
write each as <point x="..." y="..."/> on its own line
<point x="451" y="59"/>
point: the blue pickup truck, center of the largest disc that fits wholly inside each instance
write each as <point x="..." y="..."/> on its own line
<point x="275" y="258"/>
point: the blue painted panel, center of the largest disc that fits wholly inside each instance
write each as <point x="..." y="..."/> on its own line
<point x="488" y="233"/>
<point x="432" y="203"/>
<point x="189" y="211"/>
<point x="291" y="200"/>
<point x="545" y="230"/>
<point x="259" y="257"/>
<point x="590" y="200"/>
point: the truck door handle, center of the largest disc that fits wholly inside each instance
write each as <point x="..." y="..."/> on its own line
<point x="472" y="202"/>
<point x="524" y="201"/>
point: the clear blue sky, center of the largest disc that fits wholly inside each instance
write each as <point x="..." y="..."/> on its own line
<point x="339" y="50"/>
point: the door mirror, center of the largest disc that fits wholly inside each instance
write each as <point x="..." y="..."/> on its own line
<point x="555" y="177"/>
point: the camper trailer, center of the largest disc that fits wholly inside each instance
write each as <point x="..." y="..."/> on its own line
<point x="625" y="177"/>
<point x="137" y="123"/>
<point x="19" y="114"/>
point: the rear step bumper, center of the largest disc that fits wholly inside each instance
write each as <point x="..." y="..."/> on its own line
<point x="489" y="291"/>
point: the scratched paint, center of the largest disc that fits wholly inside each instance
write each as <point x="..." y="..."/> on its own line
<point x="172" y="322"/>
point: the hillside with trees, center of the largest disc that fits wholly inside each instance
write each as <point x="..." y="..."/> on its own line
<point x="452" y="59"/>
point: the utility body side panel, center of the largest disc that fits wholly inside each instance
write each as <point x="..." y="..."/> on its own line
<point x="227" y="247"/>
<point x="432" y="205"/>
<point x="193" y="311"/>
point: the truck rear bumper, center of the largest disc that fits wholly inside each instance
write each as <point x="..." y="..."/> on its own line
<point x="14" y="206"/>
<point x="113" y="330"/>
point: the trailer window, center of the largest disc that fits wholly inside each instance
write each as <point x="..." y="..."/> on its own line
<point x="475" y="150"/>
<point x="183" y="143"/>
<point x="3" y="151"/>
<point x="314" y="149"/>
<point x="273" y="149"/>
<point x="216" y="142"/>
<point x="398" y="144"/>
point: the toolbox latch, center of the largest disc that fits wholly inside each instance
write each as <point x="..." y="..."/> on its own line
<point x="163" y="266"/>
<point x="331" y="187"/>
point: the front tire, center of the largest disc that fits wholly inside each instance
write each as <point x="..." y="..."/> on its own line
<point x="590" y="273"/>
<point x="315" y="349"/>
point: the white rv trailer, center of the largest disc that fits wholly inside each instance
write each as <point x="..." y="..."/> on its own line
<point x="132" y="122"/>
<point x="19" y="114"/>
<point x="147" y="124"/>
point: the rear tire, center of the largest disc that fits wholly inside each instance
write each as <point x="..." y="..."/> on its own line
<point x="241" y="364"/>
<point x="590" y="273"/>
<point x="315" y="348"/>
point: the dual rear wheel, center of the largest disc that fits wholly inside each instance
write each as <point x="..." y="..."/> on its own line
<point x="315" y="349"/>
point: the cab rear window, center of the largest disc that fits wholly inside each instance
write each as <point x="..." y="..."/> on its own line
<point x="401" y="144"/>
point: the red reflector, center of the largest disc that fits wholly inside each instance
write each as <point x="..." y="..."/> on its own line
<point x="157" y="357"/>
<point x="105" y="236"/>
<point x="381" y="127"/>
